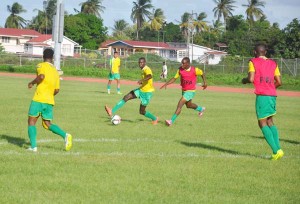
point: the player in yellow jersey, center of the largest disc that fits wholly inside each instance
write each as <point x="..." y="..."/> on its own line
<point x="114" y="73"/>
<point x="144" y="93"/>
<point x="48" y="85"/>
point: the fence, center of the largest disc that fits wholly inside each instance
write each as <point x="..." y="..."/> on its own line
<point x="227" y="65"/>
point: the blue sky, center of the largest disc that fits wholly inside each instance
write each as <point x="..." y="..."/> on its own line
<point x="280" y="11"/>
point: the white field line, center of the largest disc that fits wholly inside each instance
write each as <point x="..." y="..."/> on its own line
<point x="151" y="140"/>
<point x="146" y="155"/>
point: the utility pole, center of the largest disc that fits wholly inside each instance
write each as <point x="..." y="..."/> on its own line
<point x="57" y="32"/>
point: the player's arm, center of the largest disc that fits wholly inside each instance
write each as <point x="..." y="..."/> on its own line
<point x="149" y="76"/>
<point x="251" y="74"/>
<point x="277" y="78"/>
<point x="171" y="81"/>
<point x="37" y="80"/>
<point x="56" y="91"/>
<point x="199" y="72"/>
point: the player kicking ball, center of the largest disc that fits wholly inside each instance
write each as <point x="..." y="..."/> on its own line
<point x="188" y="80"/>
<point x="144" y="93"/>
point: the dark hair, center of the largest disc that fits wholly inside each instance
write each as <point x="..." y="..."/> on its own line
<point x="186" y="59"/>
<point x="48" y="53"/>
<point x="142" y="58"/>
<point x="115" y="52"/>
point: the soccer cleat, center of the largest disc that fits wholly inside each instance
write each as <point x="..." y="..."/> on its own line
<point x="108" y="91"/>
<point x="278" y="155"/>
<point x="108" y="111"/>
<point x="119" y="93"/>
<point x="154" y="122"/>
<point x="32" y="149"/>
<point x="201" y="112"/>
<point x="68" y="142"/>
<point x="168" y="122"/>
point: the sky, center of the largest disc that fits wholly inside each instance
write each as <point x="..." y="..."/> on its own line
<point x="280" y="11"/>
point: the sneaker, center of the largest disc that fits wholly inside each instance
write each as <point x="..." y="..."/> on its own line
<point x="119" y="93"/>
<point x="154" y="122"/>
<point x="108" y="111"/>
<point x="201" y="112"/>
<point x="108" y="91"/>
<point x="68" y="142"/>
<point x="34" y="149"/>
<point x="278" y="155"/>
<point x="168" y="122"/>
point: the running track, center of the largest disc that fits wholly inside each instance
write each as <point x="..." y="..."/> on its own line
<point x="158" y="84"/>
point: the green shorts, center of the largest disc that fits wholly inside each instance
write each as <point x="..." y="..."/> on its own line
<point x="265" y="106"/>
<point x="145" y="97"/>
<point x="113" y="76"/>
<point x="188" y="95"/>
<point x="45" y="110"/>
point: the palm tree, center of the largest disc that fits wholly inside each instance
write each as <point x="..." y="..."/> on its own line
<point x="119" y="29"/>
<point x="14" y="20"/>
<point x="199" y="23"/>
<point x="93" y="7"/>
<point x="184" y="25"/>
<point x="39" y="22"/>
<point x="253" y="10"/>
<point x="139" y="13"/>
<point x="157" y="20"/>
<point x="224" y="8"/>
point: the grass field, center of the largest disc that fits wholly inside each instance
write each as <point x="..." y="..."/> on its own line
<point x="220" y="158"/>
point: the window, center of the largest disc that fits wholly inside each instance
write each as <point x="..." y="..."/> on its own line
<point x="5" y="39"/>
<point x="66" y="48"/>
<point x="181" y="54"/>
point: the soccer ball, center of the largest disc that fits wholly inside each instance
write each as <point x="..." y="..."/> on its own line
<point x="116" y="120"/>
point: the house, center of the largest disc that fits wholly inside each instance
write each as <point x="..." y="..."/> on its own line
<point x="31" y="42"/>
<point x="171" y="51"/>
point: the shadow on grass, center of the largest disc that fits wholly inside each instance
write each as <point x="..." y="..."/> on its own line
<point x="282" y="140"/>
<point x="14" y="140"/>
<point x="211" y="147"/>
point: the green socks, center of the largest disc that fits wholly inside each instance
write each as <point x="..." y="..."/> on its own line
<point x="199" y="108"/>
<point x="108" y="87"/>
<point x="174" y="118"/>
<point x="32" y="135"/>
<point x="118" y="106"/>
<point x="275" y="135"/>
<point x="266" y="130"/>
<point x="149" y="115"/>
<point x="55" y="129"/>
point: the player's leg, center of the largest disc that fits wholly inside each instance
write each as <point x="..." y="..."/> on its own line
<point x="108" y="86"/>
<point x="275" y="134"/>
<point x="189" y="95"/>
<point x="180" y="104"/>
<point x="268" y="135"/>
<point x="118" y="84"/>
<point x="121" y="103"/>
<point x="145" y="98"/>
<point x="33" y="115"/>
<point x="47" y="116"/>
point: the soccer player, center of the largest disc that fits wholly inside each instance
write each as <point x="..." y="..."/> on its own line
<point x="144" y="93"/>
<point x="114" y="73"/>
<point x="188" y="76"/>
<point x="265" y="76"/>
<point x="48" y="85"/>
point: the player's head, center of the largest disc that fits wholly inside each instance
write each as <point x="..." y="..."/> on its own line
<point x="260" y="49"/>
<point x="48" y="53"/>
<point x="185" y="63"/>
<point x="116" y="54"/>
<point x="142" y="62"/>
<point x="164" y="63"/>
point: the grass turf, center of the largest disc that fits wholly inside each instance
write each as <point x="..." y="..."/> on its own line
<point x="220" y="158"/>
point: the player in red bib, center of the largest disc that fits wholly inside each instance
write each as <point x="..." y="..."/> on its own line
<point x="188" y="80"/>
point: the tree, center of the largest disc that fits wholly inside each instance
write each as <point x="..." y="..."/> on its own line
<point x="253" y="11"/>
<point x="87" y="30"/>
<point x="157" y="19"/>
<point x="14" y="20"/>
<point x="200" y="23"/>
<point x="40" y="22"/>
<point x="139" y="13"/>
<point x="93" y="7"/>
<point x="119" y="30"/>
<point x="184" y="25"/>
<point x="224" y="8"/>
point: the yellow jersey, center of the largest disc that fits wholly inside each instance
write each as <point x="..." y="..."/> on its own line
<point x="115" y="65"/>
<point x="44" y="92"/>
<point x="147" y="86"/>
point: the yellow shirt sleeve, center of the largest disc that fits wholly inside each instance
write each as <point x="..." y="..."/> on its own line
<point x="199" y="72"/>
<point x="40" y="69"/>
<point x="252" y="69"/>
<point x="177" y="74"/>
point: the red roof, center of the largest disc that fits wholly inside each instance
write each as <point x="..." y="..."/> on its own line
<point x="41" y="38"/>
<point x="18" y="32"/>
<point x="133" y="43"/>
